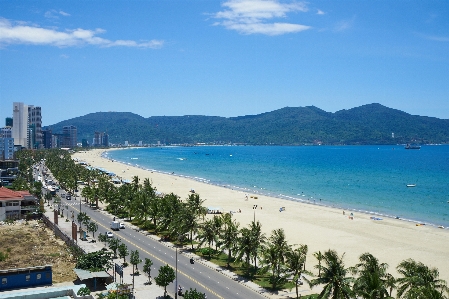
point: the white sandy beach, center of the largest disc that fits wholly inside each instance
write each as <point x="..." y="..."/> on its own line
<point x="321" y="228"/>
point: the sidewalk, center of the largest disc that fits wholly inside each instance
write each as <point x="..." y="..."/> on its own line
<point x="141" y="289"/>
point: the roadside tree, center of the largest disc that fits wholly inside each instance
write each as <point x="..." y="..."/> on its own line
<point x="165" y="277"/>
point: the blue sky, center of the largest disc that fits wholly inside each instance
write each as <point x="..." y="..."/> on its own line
<point x="223" y="58"/>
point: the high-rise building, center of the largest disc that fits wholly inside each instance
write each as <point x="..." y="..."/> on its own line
<point x="8" y="122"/>
<point x="101" y="139"/>
<point x="6" y="148"/>
<point x="6" y="132"/>
<point x="69" y="133"/>
<point x="20" y="124"/>
<point x="27" y="125"/>
<point x="35" y="126"/>
<point x="47" y="139"/>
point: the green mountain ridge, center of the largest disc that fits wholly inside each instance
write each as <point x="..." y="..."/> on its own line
<point x="367" y="124"/>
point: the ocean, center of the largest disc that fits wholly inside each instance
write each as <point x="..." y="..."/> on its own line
<point x="370" y="179"/>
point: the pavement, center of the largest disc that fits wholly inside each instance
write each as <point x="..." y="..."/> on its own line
<point x="142" y="289"/>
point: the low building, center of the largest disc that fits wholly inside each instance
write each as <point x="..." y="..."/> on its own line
<point x="10" y="204"/>
<point x="16" y="204"/>
<point x="25" y="277"/>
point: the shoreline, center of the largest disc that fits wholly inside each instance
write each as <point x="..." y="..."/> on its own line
<point x="319" y="226"/>
<point x="104" y="154"/>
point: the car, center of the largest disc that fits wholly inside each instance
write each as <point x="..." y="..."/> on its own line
<point x="122" y="225"/>
<point x="68" y="197"/>
<point x="62" y="195"/>
<point x="109" y="234"/>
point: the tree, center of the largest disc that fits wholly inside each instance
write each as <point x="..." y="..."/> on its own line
<point x="229" y="237"/>
<point x="244" y="247"/>
<point x="123" y="251"/>
<point x="135" y="260"/>
<point x="147" y="268"/>
<point x="95" y="261"/>
<point x="295" y="261"/>
<point x="258" y="239"/>
<point x="82" y="218"/>
<point x="274" y="256"/>
<point x="83" y="291"/>
<point x="92" y="227"/>
<point x="419" y="281"/>
<point x="194" y="294"/>
<point x="103" y="238"/>
<point x="206" y="234"/>
<point x="337" y="285"/>
<point x="165" y="277"/>
<point x="114" y="244"/>
<point x="319" y="256"/>
<point x="372" y="276"/>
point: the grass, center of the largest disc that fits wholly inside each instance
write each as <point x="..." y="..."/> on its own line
<point x="239" y="268"/>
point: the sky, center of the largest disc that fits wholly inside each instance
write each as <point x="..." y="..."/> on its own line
<point x="223" y="58"/>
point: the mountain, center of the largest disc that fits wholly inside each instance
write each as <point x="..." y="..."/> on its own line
<point x="367" y="124"/>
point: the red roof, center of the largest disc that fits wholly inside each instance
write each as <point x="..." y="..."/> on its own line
<point x="7" y="194"/>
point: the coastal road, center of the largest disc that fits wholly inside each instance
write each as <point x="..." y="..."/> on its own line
<point x="196" y="276"/>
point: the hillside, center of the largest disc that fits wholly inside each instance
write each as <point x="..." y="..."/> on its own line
<point x="367" y="124"/>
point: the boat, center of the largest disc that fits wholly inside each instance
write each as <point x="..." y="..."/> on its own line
<point x="408" y="146"/>
<point x="411" y="185"/>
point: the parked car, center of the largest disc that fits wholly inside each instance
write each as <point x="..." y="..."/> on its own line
<point x="63" y="195"/>
<point x="109" y="234"/>
<point x="122" y="225"/>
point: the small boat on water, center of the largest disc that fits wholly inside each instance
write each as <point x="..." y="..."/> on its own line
<point x="408" y="146"/>
<point x="411" y="185"/>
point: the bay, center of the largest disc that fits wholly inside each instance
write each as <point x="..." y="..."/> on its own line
<point x="372" y="179"/>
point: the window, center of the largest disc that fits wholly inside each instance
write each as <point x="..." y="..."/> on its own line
<point x="4" y="280"/>
<point x="27" y="277"/>
<point x="38" y="276"/>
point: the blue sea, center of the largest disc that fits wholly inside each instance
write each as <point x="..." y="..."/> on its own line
<point x="372" y="179"/>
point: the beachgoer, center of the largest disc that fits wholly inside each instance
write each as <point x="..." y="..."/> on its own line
<point x="343" y="212"/>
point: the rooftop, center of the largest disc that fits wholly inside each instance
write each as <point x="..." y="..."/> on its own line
<point x="6" y="194"/>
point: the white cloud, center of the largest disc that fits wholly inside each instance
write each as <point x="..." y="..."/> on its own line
<point x="344" y="25"/>
<point x="320" y="12"/>
<point x="54" y="14"/>
<point x="435" y="37"/>
<point x="255" y="16"/>
<point x="21" y="33"/>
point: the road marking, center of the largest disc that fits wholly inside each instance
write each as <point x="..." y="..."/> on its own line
<point x="179" y="271"/>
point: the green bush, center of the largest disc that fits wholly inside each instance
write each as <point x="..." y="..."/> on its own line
<point x="3" y="256"/>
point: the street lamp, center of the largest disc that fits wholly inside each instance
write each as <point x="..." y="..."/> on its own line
<point x="176" y="279"/>
<point x="254" y="208"/>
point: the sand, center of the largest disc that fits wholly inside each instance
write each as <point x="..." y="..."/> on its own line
<point x="320" y="227"/>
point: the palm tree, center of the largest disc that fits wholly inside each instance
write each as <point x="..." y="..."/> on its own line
<point x="372" y="278"/>
<point x="142" y="201"/>
<point x="274" y="257"/>
<point x="244" y="247"/>
<point x="217" y="227"/>
<point x="295" y="261"/>
<point x="337" y="285"/>
<point x="258" y="239"/>
<point x="206" y="234"/>
<point x="319" y="256"/>
<point x="419" y="281"/>
<point x="195" y="203"/>
<point x="229" y="237"/>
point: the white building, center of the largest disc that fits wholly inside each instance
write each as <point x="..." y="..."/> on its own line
<point x="27" y="125"/>
<point x="20" y="124"/>
<point x="10" y="204"/>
